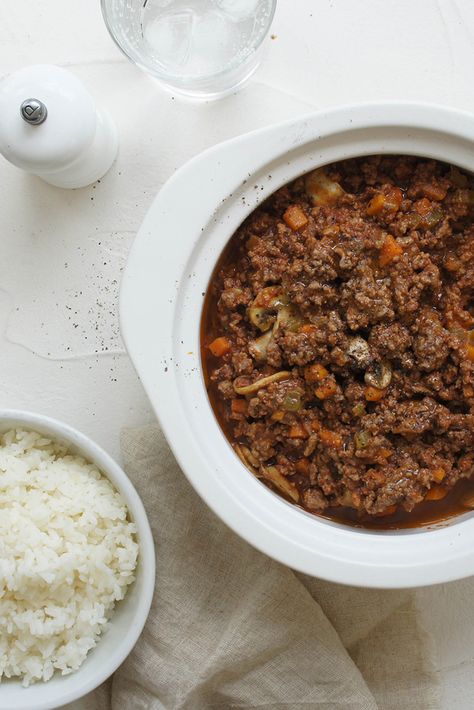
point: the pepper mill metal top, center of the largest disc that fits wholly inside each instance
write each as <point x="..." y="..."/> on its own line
<point x="33" y="111"/>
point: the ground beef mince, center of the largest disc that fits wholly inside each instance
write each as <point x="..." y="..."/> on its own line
<point x="338" y="339"/>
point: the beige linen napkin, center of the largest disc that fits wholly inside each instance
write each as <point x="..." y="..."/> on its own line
<point x="230" y="628"/>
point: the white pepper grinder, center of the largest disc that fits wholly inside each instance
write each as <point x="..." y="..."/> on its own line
<point x="51" y="127"/>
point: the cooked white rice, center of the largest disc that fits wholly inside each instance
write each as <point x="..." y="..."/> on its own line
<point x="67" y="553"/>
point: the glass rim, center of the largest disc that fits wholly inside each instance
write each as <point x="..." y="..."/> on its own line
<point x="169" y="78"/>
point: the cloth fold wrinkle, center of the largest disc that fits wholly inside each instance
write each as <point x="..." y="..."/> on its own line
<point x="231" y="628"/>
<point x="382" y="633"/>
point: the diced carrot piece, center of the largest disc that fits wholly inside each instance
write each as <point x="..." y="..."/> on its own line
<point x="390" y="249"/>
<point x="326" y="390"/>
<point x="298" y="431"/>
<point x="307" y="328"/>
<point x="295" y="218"/>
<point x="439" y="474"/>
<point x="266" y="295"/>
<point x="436" y="493"/>
<point x="465" y="319"/>
<point x="252" y="242"/>
<point x="220" y="346"/>
<point x="239" y="406"/>
<point x="384" y="453"/>
<point x="452" y="263"/>
<point x="330" y="438"/>
<point x="434" y="192"/>
<point x="390" y="510"/>
<point x="387" y="201"/>
<point x="376" y="476"/>
<point x="376" y="205"/>
<point x="278" y="416"/>
<point x="374" y="394"/>
<point x="423" y="206"/>
<point x="302" y="466"/>
<point x="393" y="199"/>
<point x="470" y="352"/>
<point x="315" y="373"/>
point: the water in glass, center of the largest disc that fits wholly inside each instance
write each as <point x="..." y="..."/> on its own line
<point x="198" y="46"/>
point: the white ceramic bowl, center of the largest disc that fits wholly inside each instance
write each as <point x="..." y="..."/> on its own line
<point x="168" y="272"/>
<point x="130" y="614"/>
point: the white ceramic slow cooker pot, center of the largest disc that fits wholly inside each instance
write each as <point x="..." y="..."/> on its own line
<point x="163" y="290"/>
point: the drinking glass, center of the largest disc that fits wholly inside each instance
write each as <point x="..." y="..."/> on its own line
<point x="200" y="48"/>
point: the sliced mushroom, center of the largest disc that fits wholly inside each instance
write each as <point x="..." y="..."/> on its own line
<point x="358" y="352"/>
<point x="247" y="458"/>
<point x="289" y="317"/>
<point x="262" y="318"/>
<point x="379" y="375"/>
<point x="264" y="308"/>
<point x="321" y="189"/>
<point x="347" y="500"/>
<point x="272" y="474"/>
<point x="258" y="347"/>
<point x="241" y="388"/>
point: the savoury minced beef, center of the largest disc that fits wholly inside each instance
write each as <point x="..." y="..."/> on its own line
<point x="338" y="338"/>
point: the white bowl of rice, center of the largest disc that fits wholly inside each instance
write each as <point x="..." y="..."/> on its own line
<point x="77" y="563"/>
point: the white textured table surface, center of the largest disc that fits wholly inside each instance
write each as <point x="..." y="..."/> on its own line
<point x="62" y="252"/>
